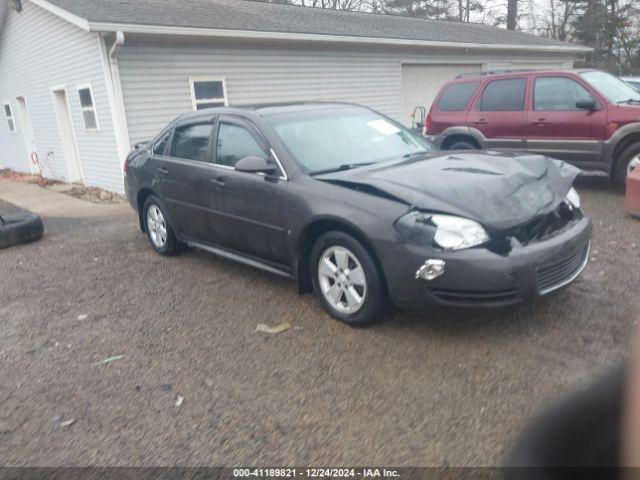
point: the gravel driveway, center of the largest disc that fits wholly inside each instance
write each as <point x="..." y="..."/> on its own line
<point x="413" y="390"/>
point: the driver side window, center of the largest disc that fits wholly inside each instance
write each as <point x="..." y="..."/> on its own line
<point x="558" y="94"/>
<point x="235" y="143"/>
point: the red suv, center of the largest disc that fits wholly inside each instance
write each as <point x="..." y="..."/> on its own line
<point x="587" y="117"/>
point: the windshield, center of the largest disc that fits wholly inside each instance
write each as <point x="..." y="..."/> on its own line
<point x="341" y="138"/>
<point x="614" y="89"/>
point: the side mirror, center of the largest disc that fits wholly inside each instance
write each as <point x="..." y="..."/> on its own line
<point x="586" y="105"/>
<point x="255" y="164"/>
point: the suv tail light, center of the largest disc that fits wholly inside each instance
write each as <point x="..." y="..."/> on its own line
<point x="427" y="123"/>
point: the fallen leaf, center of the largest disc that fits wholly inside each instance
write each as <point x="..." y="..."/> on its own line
<point x="108" y="360"/>
<point x="263" y="327"/>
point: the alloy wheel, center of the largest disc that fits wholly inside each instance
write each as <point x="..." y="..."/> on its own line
<point x="342" y="279"/>
<point x="633" y="163"/>
<point x="156" y="226"/>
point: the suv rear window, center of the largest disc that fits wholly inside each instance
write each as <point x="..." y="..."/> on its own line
<point x="504" y="95"/>
<point x="456" y="96"/>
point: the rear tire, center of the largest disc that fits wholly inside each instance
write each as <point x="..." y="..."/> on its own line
<point x="346" y="280"/>
<point x="628" y="160"/>
<point x="159" y="231"/>
<point x="462" y="145"/>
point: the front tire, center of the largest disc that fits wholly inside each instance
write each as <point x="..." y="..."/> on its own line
<point x="628" y="161"/>
<point x="159" y="230"/>
<point x="346" y="280"/>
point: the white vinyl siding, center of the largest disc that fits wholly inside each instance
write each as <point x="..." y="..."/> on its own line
<point x="156" y="77"/>
<point x="38" y="51"/>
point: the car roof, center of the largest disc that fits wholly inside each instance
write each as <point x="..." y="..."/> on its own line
<point x="465" y="77"/>
<point x="266" y="109"/>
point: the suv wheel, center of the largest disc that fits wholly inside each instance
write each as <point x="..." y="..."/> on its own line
<point x="627" y="162"/>
<point x="159" y="230"/>
<point x="462" y="145"/>
<point x="345" y="279"/>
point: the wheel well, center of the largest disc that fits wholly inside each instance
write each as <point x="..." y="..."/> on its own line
<point x="308" y="238"/>
<point x="143" y="194"/>
<point x="621" y="146"/>
<point x="450" y="140"/>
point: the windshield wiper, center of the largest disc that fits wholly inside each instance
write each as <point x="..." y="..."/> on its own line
<point x="344" y="166"/>
<point x="630" y="100"/>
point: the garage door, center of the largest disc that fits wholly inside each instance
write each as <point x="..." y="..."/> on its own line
<point x="421" y="83"/>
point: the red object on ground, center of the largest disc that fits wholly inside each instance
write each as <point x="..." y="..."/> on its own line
<point x="632" y="197"/>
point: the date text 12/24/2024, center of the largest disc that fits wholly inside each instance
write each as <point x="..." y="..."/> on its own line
<point x="315" y="473"/>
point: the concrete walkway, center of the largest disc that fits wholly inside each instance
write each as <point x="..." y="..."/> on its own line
<point x="54" y="204"/>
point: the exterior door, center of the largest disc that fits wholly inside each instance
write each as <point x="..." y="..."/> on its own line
<point x="183" y="170"/>
<point x="27" y="132"/>
<point x="499" y="114"/>
<point x="558" y="128"/>
<point x="67" y="135"/>
<point x="248" y="216"/>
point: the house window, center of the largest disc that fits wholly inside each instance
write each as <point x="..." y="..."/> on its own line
<point x="88" y="108"/>
<point x="9" y="114"/>
<point x="208" y="93"/>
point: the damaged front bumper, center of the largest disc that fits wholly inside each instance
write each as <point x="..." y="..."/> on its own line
<point x="479" y="277"/>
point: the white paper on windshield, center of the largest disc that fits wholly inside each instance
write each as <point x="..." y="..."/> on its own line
<point x="383" y="127"/>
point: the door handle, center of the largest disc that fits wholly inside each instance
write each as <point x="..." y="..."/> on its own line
<point x="163" y="171"/>
<point x="480" y="121"/>
<point x="219" y="182"/>
<point x="541" y="122"/>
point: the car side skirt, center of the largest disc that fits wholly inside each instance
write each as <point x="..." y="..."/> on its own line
<point x="252" y="262"/>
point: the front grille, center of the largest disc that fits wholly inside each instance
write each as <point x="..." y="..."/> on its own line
<point x="556" y="275"/>
<point x="547" y="225"/>
<point x="474" y="296"/>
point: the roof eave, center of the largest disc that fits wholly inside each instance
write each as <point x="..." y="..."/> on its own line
<point x="309" y="37"/>
<point x="83" y="23"/>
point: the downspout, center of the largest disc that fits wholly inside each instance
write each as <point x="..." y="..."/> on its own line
<point x="120" y="122"/>
<point x="4" y="7"/>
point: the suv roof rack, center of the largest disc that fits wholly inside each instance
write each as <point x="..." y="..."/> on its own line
<point x="495" y="72"/>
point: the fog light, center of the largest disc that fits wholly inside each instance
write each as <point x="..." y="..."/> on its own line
<point x="431" y="269"/>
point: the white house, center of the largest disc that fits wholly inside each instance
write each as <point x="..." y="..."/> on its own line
<point x="81" y="81"/>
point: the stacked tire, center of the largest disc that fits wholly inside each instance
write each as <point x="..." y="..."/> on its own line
<point x="20" y="228"/>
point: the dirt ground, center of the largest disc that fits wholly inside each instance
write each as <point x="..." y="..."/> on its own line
<point x="429" y="389"/>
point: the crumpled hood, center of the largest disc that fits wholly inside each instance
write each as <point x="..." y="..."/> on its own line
<point x="500" y="190"/>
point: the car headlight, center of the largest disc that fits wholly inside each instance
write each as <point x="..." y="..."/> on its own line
<point x="573" y="198"/>
<point x="456" y="233"/>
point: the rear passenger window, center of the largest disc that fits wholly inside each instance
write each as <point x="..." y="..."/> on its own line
<point x="504" y="95"/>
<point x="192" y="142"/>
<point x="456" y="97"/>
<point x="161" y="145"/>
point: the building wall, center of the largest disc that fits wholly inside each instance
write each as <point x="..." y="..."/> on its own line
<point x="38" y="51"/>
<point x="155" y="74"/>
